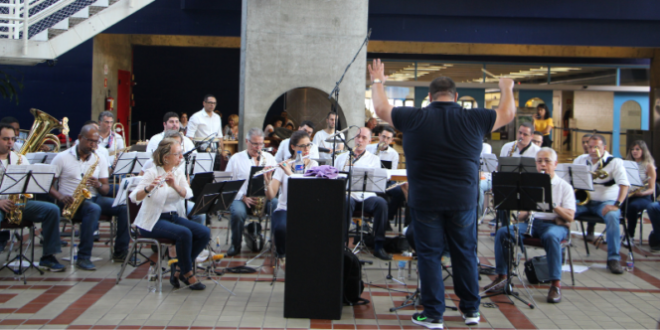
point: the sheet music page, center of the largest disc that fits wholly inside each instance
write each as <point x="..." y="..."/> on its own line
<point x="42" y="178"/>
<point x="376" y="179"/>
<point x="632" y="171"/>
<point x="490" y="163"/>
<point x="582" y="178"/>
<point x="221" y="176"/>
<point x="125" y="162"/>
<point x="204" y="162"/>
<point x="140" y="159"/>
<point x="120" y="198"/>
<point x="36" y="157"/>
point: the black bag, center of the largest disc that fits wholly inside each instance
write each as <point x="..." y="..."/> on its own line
<point x="353" y="285"/>
<point x="254" y="238"/>
<point x="396" y="244"/>
<point x="654" y="240"/>
<point x="536" y="270"/>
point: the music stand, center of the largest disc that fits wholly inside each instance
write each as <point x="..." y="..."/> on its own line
<point x="577" y="175"/>
<point x="140" y="159"/>
<point x="367" y="180"/>
<point x="386" y="164"/>
<point x="632" y="171"/>
<point x="219" y="176"/>
<point x="203" y="163"/>
<point x="523" y="192"/>
<point x="120" y="199"/>
<point x="125" y="163"/>
<point x="256" y="186"/>
<point x="26" y="179"/>
<point x="517" y="164"/>
<point x="41" y="157"/>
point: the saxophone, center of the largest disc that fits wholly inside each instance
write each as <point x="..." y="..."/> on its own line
<point x="81" y="193"/>
<point x="379" y="147"/>
<point x="259" y="208"/>
<point x="513" y="148"/>
<point x="15" y="216"/>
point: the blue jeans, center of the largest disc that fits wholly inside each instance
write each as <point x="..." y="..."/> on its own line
<point x="551" y="236"/>
<point x="279" y="232"/>
<point x="632" y="210"/>
<point x="432" y="228"/>
<point x="377" y="206"/>
<point x="190" y="237"/>
<point x="123" y="238"/>
<point x="89" y="212"/>
<point x="239" y="212"/>
<point x="484" y="185"/>
<point x="612" y="229"/>
<point x="49" y="216"/>
<point x="654" y="216"/>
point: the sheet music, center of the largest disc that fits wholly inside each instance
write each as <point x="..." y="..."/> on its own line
<point x="17" y="180"/>
<point x="632" y="171"/>
<point x="376" y="179"/>
<point x="221" y="176"/>
<point x="204" y="162"/>
<point x="489" y="163"/>
<point x="120" y="198"/>
<point x="40" y="157"/>
<point x="582" y="178"/>
<point x="125" y="163"/>
<point x="140" y="159"/>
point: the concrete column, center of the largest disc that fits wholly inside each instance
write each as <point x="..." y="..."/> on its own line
<point x="654" y="104"/>
<point x="287" y="44"/>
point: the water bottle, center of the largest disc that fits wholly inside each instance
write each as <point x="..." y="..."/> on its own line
<point x="152" y="279"/>
<point x="75" y="252"/>
<point x="299" y="164"/>
<point x="402" y="265"/>
<point x="630" y="263"/>
<point x="492" y="231"/>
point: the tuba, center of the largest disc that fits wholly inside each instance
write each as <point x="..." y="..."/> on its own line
<point x="39" y="133"/>
<point x="81" y="193"/>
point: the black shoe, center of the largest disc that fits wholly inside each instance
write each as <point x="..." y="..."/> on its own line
<point x="614" y="266"/>
<point x="388" y="226"/>
<point x="382" y="255"/>
<point x="233" y="251"/>
<point x="121" y="256"/>
<point x="197" y="286"/>
<point x="97" y="236"/>
<point x="173" y="279"/>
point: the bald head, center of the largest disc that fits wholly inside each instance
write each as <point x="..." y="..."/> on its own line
<point x="88" y="139"/>
<point x="362" y="139"/>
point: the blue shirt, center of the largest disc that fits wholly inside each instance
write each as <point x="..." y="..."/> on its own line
<point x="442" y="144"/>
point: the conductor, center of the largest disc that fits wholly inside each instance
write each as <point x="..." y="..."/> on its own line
<point x="442" y="144"/>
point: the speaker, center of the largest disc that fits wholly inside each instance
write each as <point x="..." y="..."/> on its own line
<point x="314" y="248"/>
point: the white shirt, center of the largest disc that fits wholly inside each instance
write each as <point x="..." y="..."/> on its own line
<point x="13" y="160"/>
<point x="164" y="199"/>
<point x="284" y="154"/>
<point x="486" y="149"/>
<point x="616" y="171"/>
<point x="368" y="160"/>
<point x="103" y="152"/>
<point x="388" y="155"/>
<point x="281" y="176"/>
<point x="109" y="142"/>
<point x="202" y="125"/>
<point x="319" y="140"/>
<point x="70" y="170"/>
<point x="186" y="146"/>
<point x="240" y="165"/>
<point x="529" y="152"/>
<point x="562" y="195"/>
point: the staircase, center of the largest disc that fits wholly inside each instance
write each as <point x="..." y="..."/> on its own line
<point x="54" y="27"/>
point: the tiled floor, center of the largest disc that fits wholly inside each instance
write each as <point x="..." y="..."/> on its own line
<point x="91" y="300"/>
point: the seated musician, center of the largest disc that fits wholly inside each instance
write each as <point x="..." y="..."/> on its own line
<point x="654" y="236"/>
<point x="537" y="139"/>
<point x="109" y="140"/>
<point x="373" y="204"/>
<point x="240" y="165"/>
<point x="162" y="189"/>
<point x="383" y="150"/>
<point x="485" y="182"/>
<point x="640" y="200"/>
<point x="299" y="142"/>
<point x="70" y="167"/>
<point x="322" y="135"/>
<point x="550" y="227"/>
<point x="283" y="150"/>
<point x="170" y="122"/>
<point x="607" y="196"/>
<point x="46" y="213"/>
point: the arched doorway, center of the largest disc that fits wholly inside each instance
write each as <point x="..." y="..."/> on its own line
<point x="468" y="102"/>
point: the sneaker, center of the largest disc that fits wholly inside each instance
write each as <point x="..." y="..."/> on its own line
<point x="85" y="264"/>
<point x="50" y="263"/>
<point x="472" y="318"/>
<point x="421" y="319"/>
<point x="97" y="236"/>
<point x="614" y="266"/>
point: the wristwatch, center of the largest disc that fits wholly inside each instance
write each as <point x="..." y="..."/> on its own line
<point x="376" y="81"/>
<point x="617" y="204"/>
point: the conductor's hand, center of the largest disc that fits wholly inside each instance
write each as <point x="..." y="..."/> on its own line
<point x="506" y="84"/>
<point x="249" y="201"/>
<point x="6" y="205"/>
<point x="377" y="70"/>
<point x="65" y="199"/>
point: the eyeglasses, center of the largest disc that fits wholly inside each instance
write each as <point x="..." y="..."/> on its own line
<point x="260" y="144"/>
<point x="547" y="161"/>
<point x="209" y="102"/>
<point x="92" y="141"/>
<point x="7" y="139"/>
<point x="305" y="146"/>
<point x="176" y="154"/>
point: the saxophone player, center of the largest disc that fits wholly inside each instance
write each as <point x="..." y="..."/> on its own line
<point x="70" y="167"/>
<point x="46" y="213"/>
<point x="239" y="165"/>
<point x="523" y="147"/>
<point x="550" y="227"/>
<point x="605" y="201"/>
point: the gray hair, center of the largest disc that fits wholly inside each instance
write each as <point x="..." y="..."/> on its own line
<point x="553" y="153"/>
<point x="255" y="131"/>
<point x="105" y="114"/>
<point x="172" y="134"/>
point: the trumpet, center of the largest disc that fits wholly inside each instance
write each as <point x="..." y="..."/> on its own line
<point x="162" y="181"/>
<point x="116" y="128"/>
<point x="273" y="168"/>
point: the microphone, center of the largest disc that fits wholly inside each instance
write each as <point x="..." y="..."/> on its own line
<point x="330" y="138"/>
<point x="185" y="155"/>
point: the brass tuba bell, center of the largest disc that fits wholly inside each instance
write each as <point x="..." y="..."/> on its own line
<point x="43" y="124"/>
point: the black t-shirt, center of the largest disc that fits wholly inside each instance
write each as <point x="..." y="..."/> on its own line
<point x="442" y="144"/>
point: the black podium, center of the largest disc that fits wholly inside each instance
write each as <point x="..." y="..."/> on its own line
<point x="314" y="248"/>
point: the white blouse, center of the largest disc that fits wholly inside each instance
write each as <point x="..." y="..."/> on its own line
<point x="161" y="200"/>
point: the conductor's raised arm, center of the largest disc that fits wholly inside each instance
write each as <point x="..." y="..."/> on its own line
<point x="381" y="104"/>
<point x="507" y="109"/>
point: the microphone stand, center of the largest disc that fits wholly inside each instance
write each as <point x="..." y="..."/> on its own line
<point x="335" y="92"/>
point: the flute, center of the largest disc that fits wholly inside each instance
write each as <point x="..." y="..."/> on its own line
<point x="273" y="168"/>
<point x="398" y="184"/>
<point x="162" y="181"/>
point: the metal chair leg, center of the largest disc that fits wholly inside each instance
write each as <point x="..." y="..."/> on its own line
<point x="570" y="261"/>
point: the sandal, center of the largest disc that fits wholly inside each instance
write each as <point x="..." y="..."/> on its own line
<point x="197" y="286"/>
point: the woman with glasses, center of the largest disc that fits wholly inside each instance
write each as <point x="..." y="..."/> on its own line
<point x="162" y="189"/>
<point x="639" y="200"/>
<point x="300" y="141"/>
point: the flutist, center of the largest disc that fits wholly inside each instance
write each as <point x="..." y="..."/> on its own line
<point x="163" y="215"/>
<point x="239" y="165"/>
<point x="550" y="227"/>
